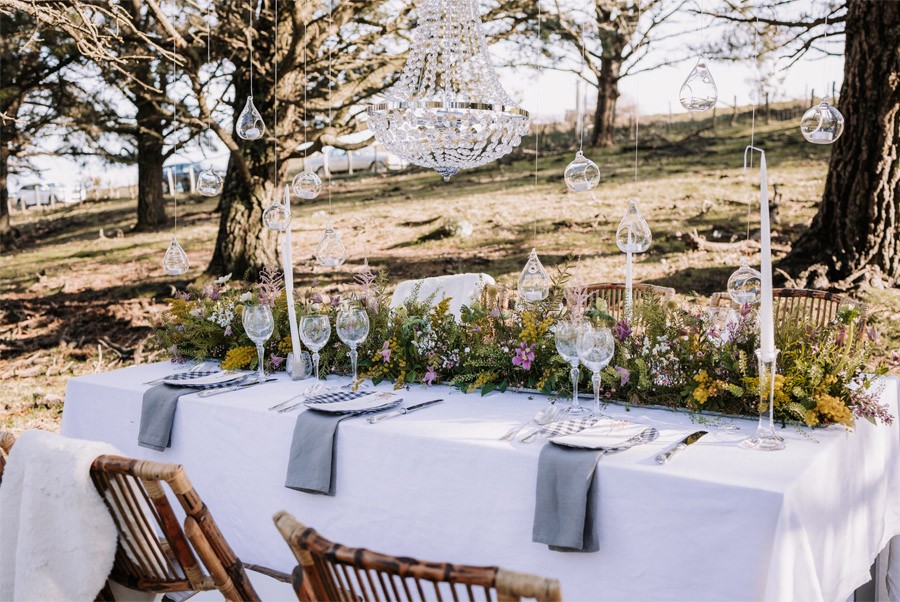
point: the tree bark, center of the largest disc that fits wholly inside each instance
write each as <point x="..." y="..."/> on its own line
<point x="7" y="239"/>
<point x="855" y="236"/>
<point x="603" y="133"/>
<point x="151" y="210"/>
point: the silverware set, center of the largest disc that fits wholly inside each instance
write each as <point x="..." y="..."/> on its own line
<point x="250" y="380"/>
<point x="287" y="406"/>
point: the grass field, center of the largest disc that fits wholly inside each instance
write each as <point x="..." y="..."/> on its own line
<point x="74" y="301"/>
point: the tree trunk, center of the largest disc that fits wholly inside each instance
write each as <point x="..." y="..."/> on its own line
<point x="151" y="210"/>
<point x="603" y="133"/>
<point x="855" y="236"/>
<point x="7" y="240"/>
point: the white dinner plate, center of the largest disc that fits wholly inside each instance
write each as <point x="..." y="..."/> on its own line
<point x="367" y="403"/>
<point x="609" y="435"/>
<point x="217" y="378"/>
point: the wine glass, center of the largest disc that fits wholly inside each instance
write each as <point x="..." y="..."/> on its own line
<point x="315" y="331"/>
<point x="352" y="329"/>
<point x="567" y="346"/>
<point x="259" y="326"/>
<point x="595" y="350"/>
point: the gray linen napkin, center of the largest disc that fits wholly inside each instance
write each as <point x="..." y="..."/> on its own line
<point x="566" y="508"/>
<point x="157" y="415"/>
<point x="312" y="462"/>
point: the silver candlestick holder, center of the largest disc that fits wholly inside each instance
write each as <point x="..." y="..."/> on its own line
<point x="765" y="438"/>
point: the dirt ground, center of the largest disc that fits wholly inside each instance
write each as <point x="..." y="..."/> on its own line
<point x="82" y="293"/>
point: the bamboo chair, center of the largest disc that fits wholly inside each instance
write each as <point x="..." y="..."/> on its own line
<point x="6" y="442"/>
<point x="330" y="571"/>
<point x="614" y="295"/>
<point x="153" y="553"/>
<point x="815" y="308"/>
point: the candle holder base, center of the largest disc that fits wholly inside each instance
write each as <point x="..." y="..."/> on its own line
<point x="301" y="368"/>
<point x="765" y="438"/>
<point x="763" y="442"/>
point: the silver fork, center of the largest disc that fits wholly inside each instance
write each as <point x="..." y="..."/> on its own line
<point x="301" y="402"/>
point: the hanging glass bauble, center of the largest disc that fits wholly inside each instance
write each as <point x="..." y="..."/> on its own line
<point x="448" y="110"/>
<point x="331" y="251"/>
<point x="744" y="284"/>
<point x="250" y="124"/>
<point x="822" y="124"/>
<point x="582" y="174"/>
<point x="209" y="183"/>
<point x="534" y="283"/>
<point x="277" y="216"/>
<point x="175" y="261"/>
<point x="307" y="185"/>
<point x="699" y="92"/>
<point x="633" y="234"/>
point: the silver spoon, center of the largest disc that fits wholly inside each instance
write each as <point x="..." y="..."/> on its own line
<point x="544" y="416"/>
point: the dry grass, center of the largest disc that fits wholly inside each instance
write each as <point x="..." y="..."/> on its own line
<point x="68" y="298"/>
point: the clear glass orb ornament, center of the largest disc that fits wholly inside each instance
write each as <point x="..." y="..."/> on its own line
<point x="633" y="234"/>
<point x="250" y="124"/>
<point x="822" y="124"/>
<point x="307" y="185"/>
<point x="699" y="91"/>
<point x="175" y="261"/>
<point x="209" y="183"/>
<point x="744" y="284"/>
<point x="534" y="283"/>
<point x="331" y="251"/>
<point x="277" y="216"/>
<point x="582" y="174"/>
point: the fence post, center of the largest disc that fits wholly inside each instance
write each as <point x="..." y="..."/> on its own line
<point x="735" y="112"/>
<point x="767" y="108"/>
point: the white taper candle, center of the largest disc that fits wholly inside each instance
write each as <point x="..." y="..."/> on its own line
<point x="288" y="259"/>
<point x="766" y="308"/>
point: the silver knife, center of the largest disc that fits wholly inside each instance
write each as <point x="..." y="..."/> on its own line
<point x="221" y="390"/>
<point x="690" y="439"/>
<point x="403" y="411"/>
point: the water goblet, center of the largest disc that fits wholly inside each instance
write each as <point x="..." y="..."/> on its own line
<point x="352" y="329"/>
<point x="595" y="350"/>
<point x="259" y="326"/>
<point x="567" y="346"/>
<point x="315" y="330"/>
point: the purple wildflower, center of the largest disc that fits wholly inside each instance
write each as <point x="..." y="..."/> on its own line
<point x="386" y="351"/>
<point x="211" y="291"/>
<point x="430" y="376"/>
<point x="183" y="295"/>
<point x="872" y="333"/>
<point x="317" y="298"/>
<point x="841" y="337"/>
<point x="336" y="301"/>
<point x="621" y="330"/>
<point x="624" y="375"/>
<point x="495" y="313"/>
<point x="228" y="330"/>
<point x="746" y="309"/>
<point x="277" y="361"/>
<point x="523" y="356"/>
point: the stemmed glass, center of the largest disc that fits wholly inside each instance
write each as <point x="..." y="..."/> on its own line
<point x="595" y="350"/>
<point x="566" y="345"/>
<point x="315" y="331"/>
<point x="352" y="329"/>
<point x="259" y="326"/>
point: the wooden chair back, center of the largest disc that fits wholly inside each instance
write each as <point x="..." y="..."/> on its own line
<point x="154" y="553"/>
<point x="330" y="571"/>
<point x="614" y="295"/>
<point x="815" y="308"/>
<point x="6" y="442"/>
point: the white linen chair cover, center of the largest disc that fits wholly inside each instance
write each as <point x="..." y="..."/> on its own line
<point x="461" y="288"/>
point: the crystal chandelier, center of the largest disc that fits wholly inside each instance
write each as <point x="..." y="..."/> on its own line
<point x="448" y="111"/>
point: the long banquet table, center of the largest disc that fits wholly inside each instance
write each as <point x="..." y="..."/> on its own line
<point x="717" y="523"/>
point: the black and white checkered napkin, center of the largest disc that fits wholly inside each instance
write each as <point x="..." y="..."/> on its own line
<point x="336" y="396"/>
<point x="647" y="435"/>
<point x="187" y="377"/>
<point x="567" y="427"/>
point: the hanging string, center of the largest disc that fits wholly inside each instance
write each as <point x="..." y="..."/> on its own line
<point x="637" y="103"/>
<point x="824" y="63"/>
<point x="208" y="59"/>
<point x="753" y="117"/>
<point x="581" y="81"/>
<point x="174" y="130"/>
<point x="537" y="133"/>
<point x="330" y="91"/>
<point x="305" y="87"/>
<point x="275" y="128"/>
<point x="250" y="33"/>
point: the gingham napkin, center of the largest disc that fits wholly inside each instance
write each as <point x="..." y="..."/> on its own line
<point x="337" y="396"/>
<point x="567" y="427"/>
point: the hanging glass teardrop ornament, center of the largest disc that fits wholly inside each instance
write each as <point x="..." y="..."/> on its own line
<point x="633" y="234"/>
<point x="307" y="185"/>
<point x="534" y="283"/>
<point x="277" y="216"/>
<point x="209" y="183"/>
<point x="175" y="261"/>
<point x="250" y="124"/>
<point x="331" y="251"/>
<point x="582" y="174"/>
<point x="822" y="124"/>
<point x="699" y="92"/>
<point x="744" y="284"/>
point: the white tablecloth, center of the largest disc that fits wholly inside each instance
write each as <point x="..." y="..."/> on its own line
<point x="717" y="523"/>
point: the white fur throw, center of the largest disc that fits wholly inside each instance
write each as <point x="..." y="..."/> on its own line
<point x="57" y="538"/>
<point x="461" y="288"/>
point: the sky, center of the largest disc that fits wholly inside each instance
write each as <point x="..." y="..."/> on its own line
<point x="547" y="95"/>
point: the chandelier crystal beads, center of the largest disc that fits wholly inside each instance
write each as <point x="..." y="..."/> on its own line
<point x="448" y="110"/>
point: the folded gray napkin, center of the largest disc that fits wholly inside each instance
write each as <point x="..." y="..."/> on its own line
<point x="157" y="415"/>
<point x="566" y="508"/>
<point x="311" y="467"/>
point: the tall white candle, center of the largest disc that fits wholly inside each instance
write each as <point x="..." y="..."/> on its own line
<point x="766" y="309"/>
<point x="288" y="266"/>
